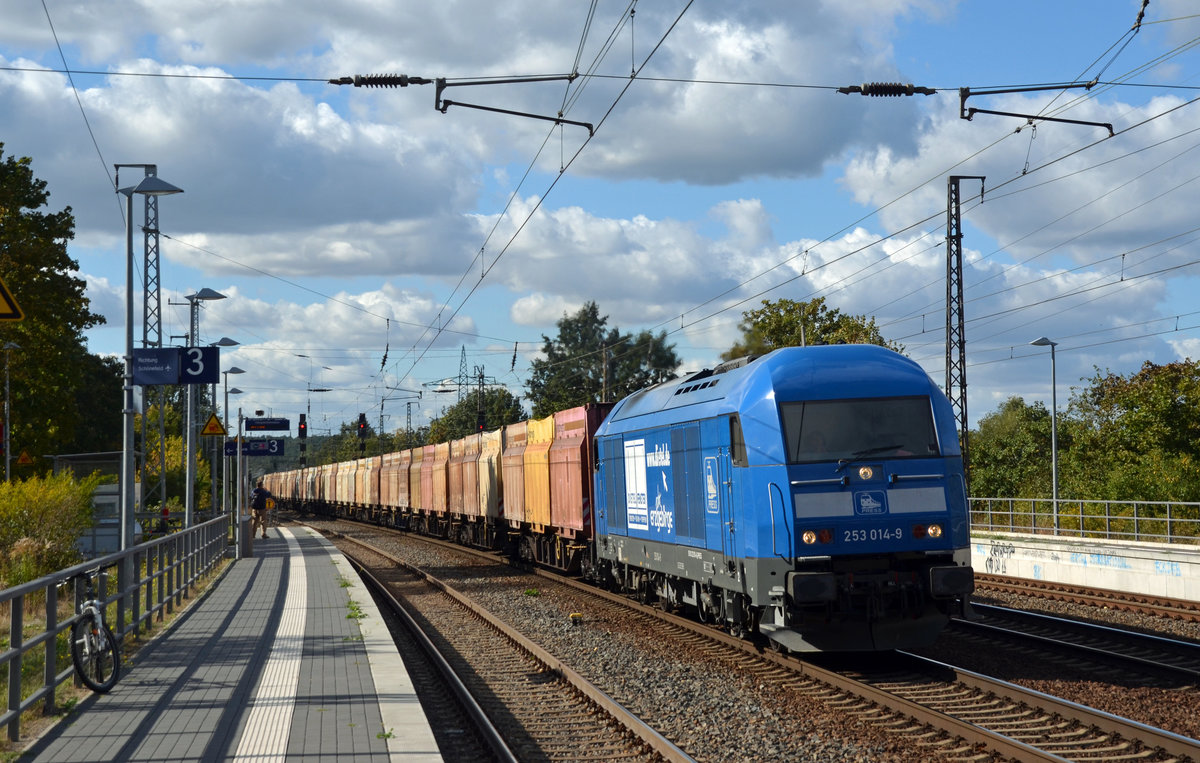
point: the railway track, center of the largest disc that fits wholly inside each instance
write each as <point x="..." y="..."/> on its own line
<point x="538" y="706"/>
<point x="1177" y="659"/>
<point x="461" y="728"/>
<point x="933" y="709"/>
<point x="1158" y="606"/>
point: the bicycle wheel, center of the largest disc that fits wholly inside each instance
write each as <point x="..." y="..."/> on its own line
<point x="95" y="654"/>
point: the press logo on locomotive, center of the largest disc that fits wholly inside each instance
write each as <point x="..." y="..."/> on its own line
<point x="867" y="503"/>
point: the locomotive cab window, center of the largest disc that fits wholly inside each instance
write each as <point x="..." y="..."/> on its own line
<point x="834" y="430"/>
<point x="737" y="443"/>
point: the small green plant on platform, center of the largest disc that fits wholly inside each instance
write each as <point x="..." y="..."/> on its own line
<point x="385" y="734"/>
<point x="356" y="611"/>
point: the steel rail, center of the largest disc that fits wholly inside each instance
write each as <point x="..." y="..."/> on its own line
<point x="483" y="724"/>
<point x="1171" y="743"/>
<point x="654" y="740"/>
<point x="1144" y="641"/>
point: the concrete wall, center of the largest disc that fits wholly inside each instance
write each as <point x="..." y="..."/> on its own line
<point x="1151" y="568"/>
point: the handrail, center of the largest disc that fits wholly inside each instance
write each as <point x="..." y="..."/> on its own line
<point x="152" y="579"/>
<point x="772" y="489"/>
<point x="1139" y="521"/>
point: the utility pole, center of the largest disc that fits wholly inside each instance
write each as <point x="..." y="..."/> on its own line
<point x="412" y="393"/>
<point x="462" y="373"/>
<point x="956" y="339"/>
<point x="152" y="395"/>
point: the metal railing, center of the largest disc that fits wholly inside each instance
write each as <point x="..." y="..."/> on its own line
<point x="152" y="579"/>
<point x="1144" y="521"/>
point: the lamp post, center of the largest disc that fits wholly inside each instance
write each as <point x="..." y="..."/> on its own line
<point x="1045" y="342"/>
<point x="151" y="185"/>
<point x="189" y="488"/>
<point x="224" y="458"/>
<point x="8" y="348"/>
<point x="217" y="445"/>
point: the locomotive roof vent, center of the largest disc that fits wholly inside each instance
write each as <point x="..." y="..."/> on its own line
<point x="694" y="387"/>
<point x="730" y="365"/>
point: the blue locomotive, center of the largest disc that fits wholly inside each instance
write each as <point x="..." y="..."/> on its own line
<point x="814" y="494"/>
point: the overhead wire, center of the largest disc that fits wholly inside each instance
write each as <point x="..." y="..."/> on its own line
<point x="553" y="183"/>
<point x="487" y="269"/>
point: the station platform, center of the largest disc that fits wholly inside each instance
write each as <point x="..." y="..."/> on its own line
<point x="285" y="657"/>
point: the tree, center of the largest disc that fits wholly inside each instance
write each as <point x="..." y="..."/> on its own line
<point x="1137" y="436"/>
<point x="500" y="407"/>
<point x="787" y="323"/>
<point x="52" y="364"/>
<point x="1122" y="438"/>
<point x="99" y="428"/>
<point x="590" y="363"/>
<point x="1009" y="452"/>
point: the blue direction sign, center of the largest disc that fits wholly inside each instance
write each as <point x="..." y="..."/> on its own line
<point x="267" y="425"/>
<point x="200" y="365"/>
<point x="156" y="365"/>
<point x="270" y="447"/>
<point x="177" y="365"/>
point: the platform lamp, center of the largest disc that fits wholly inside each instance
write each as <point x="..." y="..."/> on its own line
<point x="151" y="185"/>
<point x="224" y="458"/>
<point x="8" y="348"/>
<point x="218" y="447"/>
<point x="1045" y="342"/>
<point x="189" y="488"/>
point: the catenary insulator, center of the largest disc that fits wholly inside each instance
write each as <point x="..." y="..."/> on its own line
<point x="387" y="80"/>
<point x="886" y="89"/>
<point x="380" y="80"/>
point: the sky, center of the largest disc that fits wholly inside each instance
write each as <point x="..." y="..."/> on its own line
<point x="371" y="245"/>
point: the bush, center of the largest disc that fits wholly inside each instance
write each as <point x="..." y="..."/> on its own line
<point x="40" y="520"/>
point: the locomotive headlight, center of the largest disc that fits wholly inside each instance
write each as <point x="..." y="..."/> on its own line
<point x="809" y="537"/>
<point x="935" y="531"/>
<point x="866" y="472"/>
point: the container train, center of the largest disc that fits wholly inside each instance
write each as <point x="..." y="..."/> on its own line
<point x="815" y="495"/>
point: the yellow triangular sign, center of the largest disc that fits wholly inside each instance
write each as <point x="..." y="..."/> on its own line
<point x="213" y="428"/>
<point x="24" y="459"/>
<point x="9" y="309"/>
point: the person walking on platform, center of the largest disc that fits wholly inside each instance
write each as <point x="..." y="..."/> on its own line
<point x="258" y="506"/>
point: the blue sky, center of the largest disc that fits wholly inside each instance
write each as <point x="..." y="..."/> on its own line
<point x="345" y="223"/>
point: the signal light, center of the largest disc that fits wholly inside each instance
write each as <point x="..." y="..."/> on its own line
<point x="302" y="432"/>
<point x="822" y="536"/>
<point x="362" y="426"/>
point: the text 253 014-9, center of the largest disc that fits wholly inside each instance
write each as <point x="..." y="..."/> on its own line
<point x="873" y="533"/>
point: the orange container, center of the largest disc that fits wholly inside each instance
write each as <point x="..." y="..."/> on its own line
<point x="437" y="477"/>
<point x="537" y="471"/>
<point x="414" y="479"/>
<point x="514" y="473"/>
<point x="468" y="495"/>
<point x="491" y="472"/>
<point x="571" y="468"/>
<point x="454" y="478"/>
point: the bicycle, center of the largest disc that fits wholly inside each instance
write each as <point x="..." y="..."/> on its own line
<point x="94" y="649"/>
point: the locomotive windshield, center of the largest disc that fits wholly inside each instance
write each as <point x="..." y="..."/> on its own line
<point x="832" y="430"/>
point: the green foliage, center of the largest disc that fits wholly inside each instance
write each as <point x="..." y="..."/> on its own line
<point x="500" y="407"/>
<point x="1010" y="452"/>
<point x="1122" y="438"/>
<point x="590" y="363"/>
<point x="1138" y="436"/>
<point x="40" y="520"/>
<point x="787" y="323"/>
<point x="49" y="371"/>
